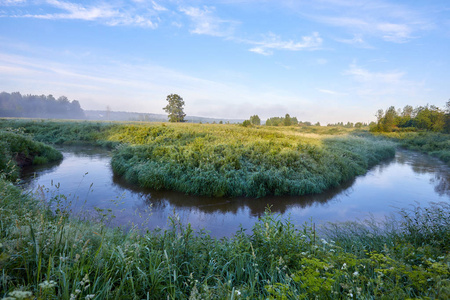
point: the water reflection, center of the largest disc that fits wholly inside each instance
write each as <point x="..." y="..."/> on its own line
<point x="409" y="178"/>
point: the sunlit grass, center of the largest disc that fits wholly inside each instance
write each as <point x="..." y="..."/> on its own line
<point x="230" y="160"/>
<point x="223" y="160"/>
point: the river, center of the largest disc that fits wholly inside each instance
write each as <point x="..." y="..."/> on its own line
<point x="90" y="189"/>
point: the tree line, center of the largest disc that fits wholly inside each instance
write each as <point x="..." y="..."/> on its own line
<point x="33" y="106"/>
<point x="427" y="118"/>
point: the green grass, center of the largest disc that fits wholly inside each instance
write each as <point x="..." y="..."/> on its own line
<point x="52" y="256"/>
<point x="232" y="161"/>
<point x="222" y="160"/>
<point x="432" y="143"/>
<point x="17" y="150"/>
<point x="46" y="254"/>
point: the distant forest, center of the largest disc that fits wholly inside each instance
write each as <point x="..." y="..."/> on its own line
<point x="33" y="106"/>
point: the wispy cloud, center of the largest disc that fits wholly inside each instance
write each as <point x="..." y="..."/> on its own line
<point x="274" y="42"/>
<point x="362" y="75"/>
<point x="388" y="21"/>
<point x="107" y="13"/>
<point x="383" y="87"/>
<point x="330" y="92"/>
<point x="205" y="21"/>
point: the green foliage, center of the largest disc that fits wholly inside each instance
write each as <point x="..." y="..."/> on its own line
<point x="238" y="161"/>
<point x="63" y="132"/>
<point x="47" y="255"/>
<point x="427" y="118"/>
<point x="175" y="108"/>
<point x="18" y="150"/>
<point x="435" y="144"/>
<point x="280" y="121"/>
<point x="255" y="120"/>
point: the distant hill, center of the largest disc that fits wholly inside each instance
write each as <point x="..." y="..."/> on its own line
<point x="147" y="117"/>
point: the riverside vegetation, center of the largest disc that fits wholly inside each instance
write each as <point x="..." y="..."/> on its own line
<point x="223" y="160"/>
<point x="45" y="254"/>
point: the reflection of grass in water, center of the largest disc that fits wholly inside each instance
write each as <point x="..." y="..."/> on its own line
<point x="52" y="256"/>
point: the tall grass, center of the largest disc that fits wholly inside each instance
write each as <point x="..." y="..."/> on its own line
<point x="235" y="161"/>
<point x="432" y="143"/>
<point x="51" y="256"/>
<point x="222" y="160"/>
<point x="17" y="150"/>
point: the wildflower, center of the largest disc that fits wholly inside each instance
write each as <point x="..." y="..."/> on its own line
<point x="90" y="296"/>
<point x="344" y="266"/>
<point x="21" y="294"/>
<point x="47" y="284"/>
<point x="356" y="273"/>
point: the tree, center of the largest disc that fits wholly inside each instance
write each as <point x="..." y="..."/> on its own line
<point x="255" y="120"/>
<point x="175" y="108"/>
<point x="287" y="120"/>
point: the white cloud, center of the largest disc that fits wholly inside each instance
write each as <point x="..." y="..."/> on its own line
<point x="274" y="42"/>
<point x="378" y="18"/>
<point x="206" y="22"/>
<point x="102" y="12"/>
<point x="363" y="75"/>
<point x="395" y="32"/>
<point x="158" y="7"/>
<point x="330" y="92"/>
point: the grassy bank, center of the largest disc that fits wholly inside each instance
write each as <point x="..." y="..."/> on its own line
<point x="432" y="143"/>
<point x="18" y="150"/>
<point x="222" y="160"/>
<point x="47" y="255"/>
<point x="234" y="161"/>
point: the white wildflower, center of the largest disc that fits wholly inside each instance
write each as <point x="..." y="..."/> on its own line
<point x="90" y="296"/>
<point x="47" y="284"/>
<point x="356" y="273"/>
<point x="21" y="294"/>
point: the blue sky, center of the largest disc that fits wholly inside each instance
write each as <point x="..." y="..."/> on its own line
<point x="323" y="60"/>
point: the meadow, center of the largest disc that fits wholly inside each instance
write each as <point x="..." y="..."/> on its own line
<point x="223" y="160"/>
<point x="46" y="254"/>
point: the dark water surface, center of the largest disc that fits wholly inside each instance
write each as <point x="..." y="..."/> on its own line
<point x="86" y="179"/>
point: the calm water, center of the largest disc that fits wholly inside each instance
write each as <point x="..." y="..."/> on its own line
<point x="86" y="179"/>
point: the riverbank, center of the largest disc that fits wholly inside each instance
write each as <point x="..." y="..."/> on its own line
<point x="431" y="143"/>
<point x="47" y="255"/>
<point x="223" y="160"/>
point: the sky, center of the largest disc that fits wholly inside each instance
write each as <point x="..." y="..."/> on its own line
<point x="321" y="61"/>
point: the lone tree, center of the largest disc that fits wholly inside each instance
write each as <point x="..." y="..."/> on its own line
<point x="175" y="108"/>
